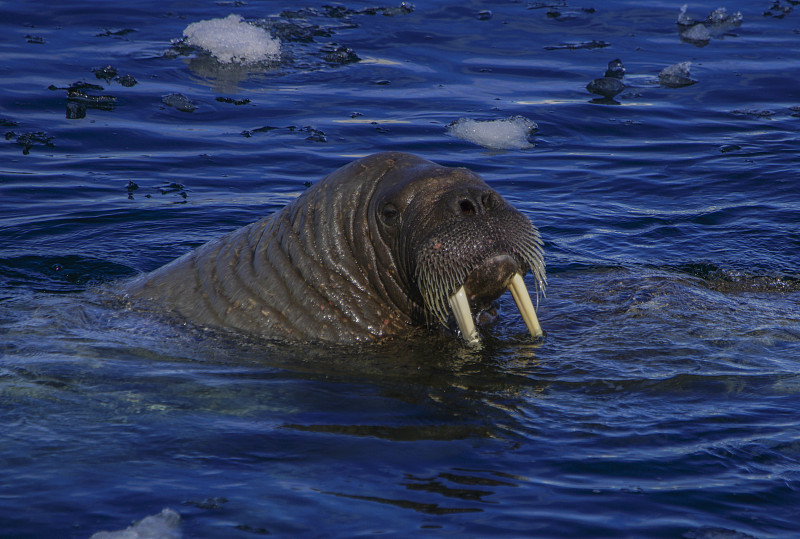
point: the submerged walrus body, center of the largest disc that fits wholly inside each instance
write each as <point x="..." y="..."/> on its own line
<point x="376" y="249"/>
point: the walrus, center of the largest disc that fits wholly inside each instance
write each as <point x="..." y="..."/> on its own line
<point x="376" y="249"/>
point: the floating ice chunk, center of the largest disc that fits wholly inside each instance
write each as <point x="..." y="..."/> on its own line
<point x="720" y="16"/>
<point x="165" y="525"/>
<point x="503" y="134"/>
<point x="179" y="101"/>
<point x="676" y="76"/>
<point x="717" y="23"/>
<point x="606" y="86"/>
<point x="697" y="33"/>
<point x="683" y="18"/>
<point x="611" y="83"/>
<point x="615" y="69"/>
<point x="231" y="40"/>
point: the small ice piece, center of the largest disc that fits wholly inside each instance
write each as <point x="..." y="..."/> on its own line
<point x="718" y="20"/>
<point x="339" y="54"/>
<point x="179" y="101"/>
<point x="720" y="16"/>
<point x="127" y="81"/>
<point x="502" y="134"/>
<point x="683" y="18"/>
<point x="606" y="86"/>
<point x="697" y="33"/>
<point x="164" y="525"/>
<point x="231" y="40"/>
<point x="676" y="76"/>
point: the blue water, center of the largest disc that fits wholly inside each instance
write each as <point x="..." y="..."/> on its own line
<point x="663" y="402"/>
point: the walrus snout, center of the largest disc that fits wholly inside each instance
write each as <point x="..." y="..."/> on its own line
<point x="490" y="280"/>
<point x="474" y="202"/>
<point x="482" y="250"/>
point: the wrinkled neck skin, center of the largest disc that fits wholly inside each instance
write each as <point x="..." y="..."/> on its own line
<point x="317" y="270"/>
<point x="332" y="237"/>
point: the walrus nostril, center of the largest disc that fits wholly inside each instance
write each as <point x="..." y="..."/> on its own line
<point x="467" y="207"/>
<point x="488" y="201"/>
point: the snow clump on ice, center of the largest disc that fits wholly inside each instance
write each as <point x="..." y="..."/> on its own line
<point x="164" y="525"/>
<point x="231" y="40"/>
<point x="503" y="134"/>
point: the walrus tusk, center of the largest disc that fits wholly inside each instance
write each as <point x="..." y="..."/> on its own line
<point x="463" y="316"/>
<point x="523" y="301"/>
<point x="460" y="306"/>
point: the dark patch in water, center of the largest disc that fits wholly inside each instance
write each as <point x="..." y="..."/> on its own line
<point x="230" y="100"/>
<point x="58" y="274"/>
<point x="339" y="54"/>
<point x="731" y="280"/>
<point x="30" y="139"/>
<point x="116" y="33"/>
<point x="179" y="102"/>
<point x="106" y="73"/>
<point x="593" y="44"/>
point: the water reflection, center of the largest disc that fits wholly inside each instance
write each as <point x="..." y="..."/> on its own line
<point x="473" y="486"/>
<point x="225" y="78"/>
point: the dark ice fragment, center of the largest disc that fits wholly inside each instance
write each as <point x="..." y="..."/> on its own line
<point x="106" y="73"/>
<point x="179" y="101"/>
<point x="339" y="54"/>
<point x="127" y="81"/>
<point x="615" y="69"/>
<point x="606" y="86"/>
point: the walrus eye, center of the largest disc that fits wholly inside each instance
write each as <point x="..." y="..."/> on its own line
<point x="389" y="214"/>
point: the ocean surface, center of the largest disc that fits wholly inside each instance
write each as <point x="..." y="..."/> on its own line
<point x="664" y="400"/>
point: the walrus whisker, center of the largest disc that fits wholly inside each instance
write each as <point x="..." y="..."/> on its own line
<point x="442" y="272"/>
<point x="463" y="316"/>
<point x="523" y="300"/>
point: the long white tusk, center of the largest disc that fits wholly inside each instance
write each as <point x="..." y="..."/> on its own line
<point x="523" y="301"/>
<point x="460" y="306"/>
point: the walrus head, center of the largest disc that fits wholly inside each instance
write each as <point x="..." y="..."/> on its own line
<point x="459" y="245"/>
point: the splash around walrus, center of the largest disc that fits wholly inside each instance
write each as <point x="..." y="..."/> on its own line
<point x="378" y="248"/>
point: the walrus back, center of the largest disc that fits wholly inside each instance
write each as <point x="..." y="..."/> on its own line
<point x="215" y="284"/>
<point x="289" y="276"/>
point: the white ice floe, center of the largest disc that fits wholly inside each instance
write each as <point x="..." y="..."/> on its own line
<point x="231" y="40"/>
<point x="164" y="525"/>
<point x="503" y="134"/>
